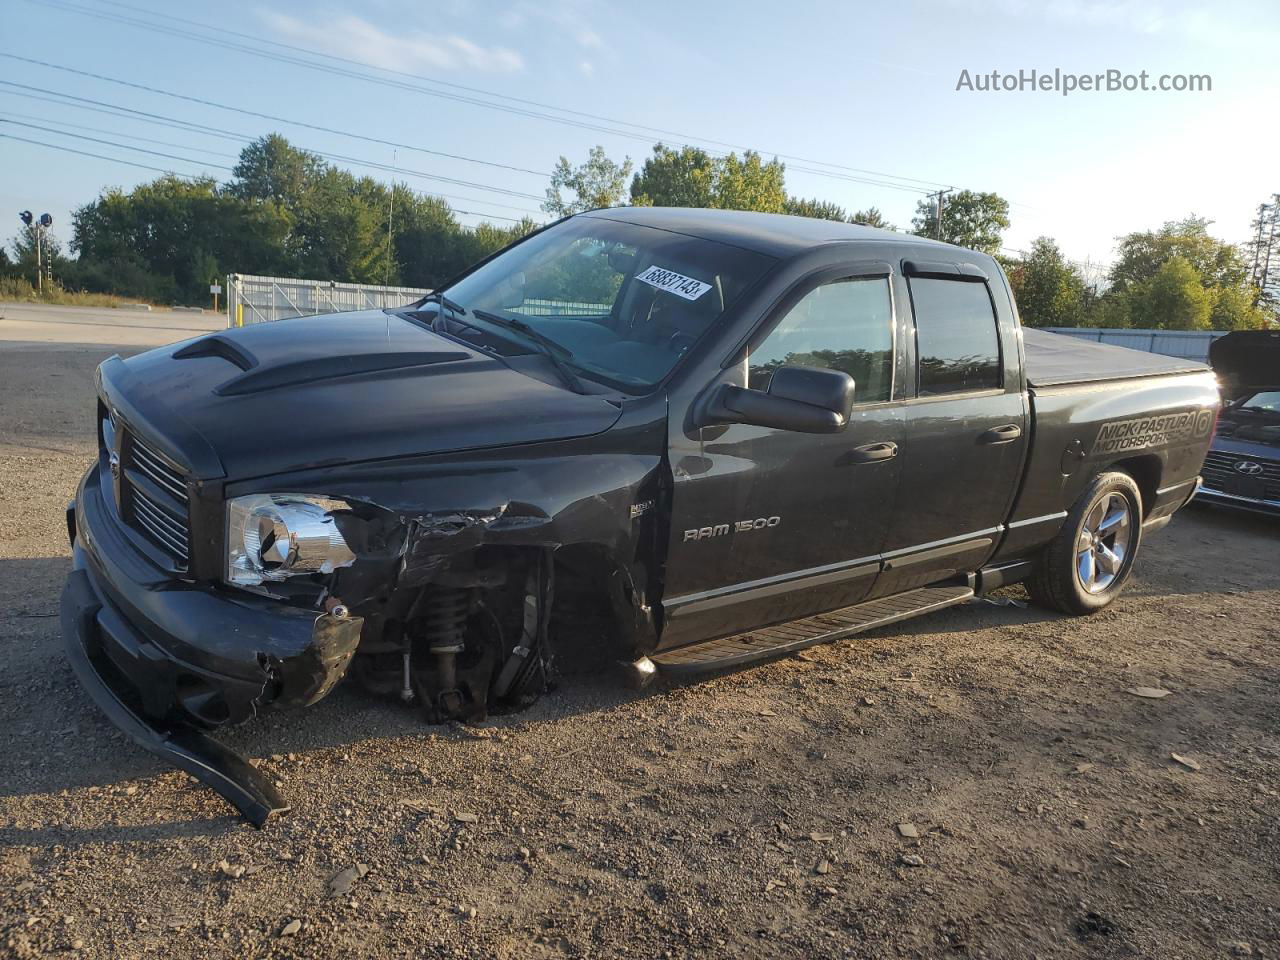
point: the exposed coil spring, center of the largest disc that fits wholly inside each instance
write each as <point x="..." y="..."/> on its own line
<point x="444" y="617"/>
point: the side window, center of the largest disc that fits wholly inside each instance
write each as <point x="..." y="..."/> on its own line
<point x="845" y="325"/>
<point x="956" y="336"/>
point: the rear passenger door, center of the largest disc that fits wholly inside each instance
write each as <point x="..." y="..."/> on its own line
<point x="966" y="427"/>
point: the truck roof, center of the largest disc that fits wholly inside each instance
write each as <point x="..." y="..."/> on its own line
<point x="774" y="234"/>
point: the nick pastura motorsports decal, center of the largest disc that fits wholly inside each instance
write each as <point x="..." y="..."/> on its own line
<point x="1144" y="432"/>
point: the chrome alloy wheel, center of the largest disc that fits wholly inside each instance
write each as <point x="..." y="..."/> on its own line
<point x="1104" y="542"/>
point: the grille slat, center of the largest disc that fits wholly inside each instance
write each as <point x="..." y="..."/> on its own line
<point x="157" y="531"/>
<point x="156" y="517"/>
<point x="159" y="506"/>
<point x="154" y="467"/>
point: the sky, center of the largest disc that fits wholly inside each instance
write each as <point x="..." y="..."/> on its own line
<point x="859" y="99"/>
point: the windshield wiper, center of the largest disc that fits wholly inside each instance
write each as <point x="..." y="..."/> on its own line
<point x="444" y="303"/>
<point x="552" y="350"/>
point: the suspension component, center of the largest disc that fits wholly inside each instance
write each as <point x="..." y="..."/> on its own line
<point x="443" y="622"/>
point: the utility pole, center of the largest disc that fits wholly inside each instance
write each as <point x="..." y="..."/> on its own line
<point x="938" y="196"/>
<point x="391" y="212"/>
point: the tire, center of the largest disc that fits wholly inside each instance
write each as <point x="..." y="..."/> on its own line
<point x="1087" y="565"/>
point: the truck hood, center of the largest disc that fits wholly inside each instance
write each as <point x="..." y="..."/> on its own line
<point x="1246" y="358"/>
<point x="342" y="388"/>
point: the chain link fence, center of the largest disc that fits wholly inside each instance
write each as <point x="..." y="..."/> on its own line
<point x="264" y="299"/>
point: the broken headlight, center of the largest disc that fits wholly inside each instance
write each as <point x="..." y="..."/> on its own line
<point x="275" y="536"/>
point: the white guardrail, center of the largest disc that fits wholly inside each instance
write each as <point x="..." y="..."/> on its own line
<point x="264" y="299"/>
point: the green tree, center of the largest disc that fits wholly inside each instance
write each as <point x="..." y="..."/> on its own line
<point x="871" y="217"/>
<point x="750" y="183"/>
<point x="1174" y="298"/>
<point x="969" y="219"/>
<point x="597" y="183"/>
<point x="1050" y="292"/>
<point x="675" y="178"/>
<point x="25" y="257"/>
<point x="817" y="209"/>
<point x="1234" y="309"/>
<point x="691" y="177"/>
<point x="285" y="212"/>
<point x="1140" y="255"/>
<point x="1143" y="282"/>
<point x="272" y="169"/>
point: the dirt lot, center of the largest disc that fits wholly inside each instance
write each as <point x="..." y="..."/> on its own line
<point x="750" y="815"/>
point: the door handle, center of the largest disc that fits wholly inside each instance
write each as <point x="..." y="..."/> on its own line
<point x="873" y="452"/>
<point x="1005" y="434"/>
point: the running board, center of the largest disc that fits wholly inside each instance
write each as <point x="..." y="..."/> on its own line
<point x="798" y="634"/>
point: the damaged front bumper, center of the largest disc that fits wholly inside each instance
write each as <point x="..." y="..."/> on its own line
<point x="167" y="660"/>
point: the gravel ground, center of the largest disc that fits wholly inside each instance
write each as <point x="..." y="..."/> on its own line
<point x="976" y="783"/>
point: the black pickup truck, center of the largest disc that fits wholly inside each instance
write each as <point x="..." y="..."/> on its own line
<point x="676" y="439"/>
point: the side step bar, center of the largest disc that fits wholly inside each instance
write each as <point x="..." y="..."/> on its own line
<point x="798" y="634"/>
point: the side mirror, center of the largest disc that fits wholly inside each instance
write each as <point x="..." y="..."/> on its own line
<point x="802" y="399"/>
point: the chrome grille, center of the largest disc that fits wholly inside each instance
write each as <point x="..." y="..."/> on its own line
<point x="149" y="462"/>
<point x="161" y="526"/>
<point x="156" y="495"/>
<point x="1219" y="468"/>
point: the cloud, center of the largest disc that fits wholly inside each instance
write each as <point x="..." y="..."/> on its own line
<point x="587" y="68"/>
<point x="1189" y="18"/>
<point x="568" y="17"/>
<point x="346" y="35"/>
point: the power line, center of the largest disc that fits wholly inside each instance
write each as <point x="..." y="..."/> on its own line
<point x="121" y="146"/>
<point x="272" y="118"/>
<point x="312" y="65"/>
<point x="311" y="53"/>
<point x="353" y="160"/>
<point x="98" y="156"/>
<point x="113" y="110"/>
<point x="187" y="176"/>
<point x="132" y="136"/>
<point x="456" y="86"/>
<point x="418" y="173"/>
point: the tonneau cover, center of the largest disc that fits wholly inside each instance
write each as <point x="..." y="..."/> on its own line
<point x="1054" y="359"/>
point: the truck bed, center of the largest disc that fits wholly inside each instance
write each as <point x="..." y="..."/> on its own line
<point x="1054" y="359"/>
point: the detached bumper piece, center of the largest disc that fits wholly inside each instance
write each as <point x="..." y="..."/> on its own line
<point x="187" y="748"/>
<point x="167" y="661"/>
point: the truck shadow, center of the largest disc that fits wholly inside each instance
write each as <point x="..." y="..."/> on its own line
<point x="59" y="743"/>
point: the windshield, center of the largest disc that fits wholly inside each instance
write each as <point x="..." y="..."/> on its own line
<point x="1264" y="402"/>
<point x="622" y="301"/>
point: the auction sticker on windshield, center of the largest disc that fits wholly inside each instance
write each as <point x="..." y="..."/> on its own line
<point x="673" y="282"/>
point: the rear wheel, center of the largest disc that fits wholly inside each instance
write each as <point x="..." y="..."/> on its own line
<point x="1089" y="561"/>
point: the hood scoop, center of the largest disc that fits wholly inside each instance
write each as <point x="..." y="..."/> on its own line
<point x="257" y="378"/>
<point x="331" y="368"/>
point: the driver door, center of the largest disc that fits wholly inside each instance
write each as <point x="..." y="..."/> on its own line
<point x="771" y="525"/>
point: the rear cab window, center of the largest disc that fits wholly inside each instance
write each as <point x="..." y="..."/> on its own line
<point x="957" y="337"/>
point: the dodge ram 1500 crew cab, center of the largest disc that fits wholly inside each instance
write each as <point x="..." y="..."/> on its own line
<point x="678" y="439"/>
